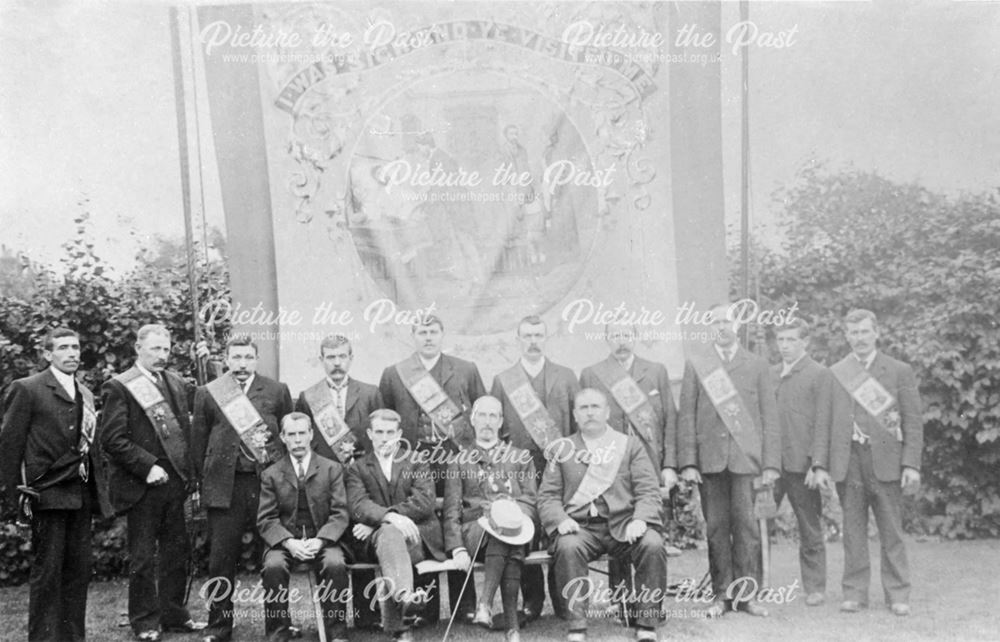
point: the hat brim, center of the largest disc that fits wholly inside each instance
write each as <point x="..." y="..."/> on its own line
<point x="526" y="535"/>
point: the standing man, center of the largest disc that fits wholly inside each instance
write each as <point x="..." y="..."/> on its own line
<point x="302" y="516"/>
<point x="45" y="453"/>
<point x="235" y="435"/>
<point x="391" y="499"/>
<point x="805" y="409"/>
<point x="482" y="475"/>
<point x="600" y="495"/>
<point x="339" y="405"/>
<point x="729" y="434"/>
<point x="145" y="434"/>
<point x="433" y="394"/>
<point x="874" y="455"/>
<point x="537" y="403"/>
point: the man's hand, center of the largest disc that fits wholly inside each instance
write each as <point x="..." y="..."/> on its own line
<point x="691" y="475"/>
<point x="156" y="476"/>
<point x="405" y="526"/>
<point x="461" y="559"/>
<point x="568" y="526"/>
<point x="297" y="548"/>
<point x="313" y="545"/>
<point x="635" y="530"/>
<point x="362" y="532"/>
<point x="200" y="350"/>
<point x="769" y="476"/>
<point x="669" y="478"/>
<point x="818" y="478"/>
<point x="910" y="480"/>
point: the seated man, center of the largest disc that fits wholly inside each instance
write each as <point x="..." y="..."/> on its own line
<point x="391" y="498"/>
<point x="302" y="515"/>
<point x="488" y="483"/>
<point x="599" y="495"/>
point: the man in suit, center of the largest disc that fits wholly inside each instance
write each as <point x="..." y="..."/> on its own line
<point x="302" y="516"/>
<point x="433" y="394"/>
<point x="145" y="433"/>
<point x="537" y="404"/>
<point x="482" y="474"/>
<point x="875" y="446"/>
<point x="351" y="401"/>
<point x="391" y="499"/>
<point x="46" y="452"/>
<point x="600" y="494"/>
<point x="234" y="435"/>
<point x="339" y="407"/>
<point x="805" y="409"/>
<point x="729" y="434"/>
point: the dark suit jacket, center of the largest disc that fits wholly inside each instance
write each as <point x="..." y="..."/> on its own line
<point x="805" y="410"/>
<point x="279" y="500"/>
<point x="41" y="427"/>
<point x="703" y="439"/>
<point x="465" y="498"/>
<point x="653" y="379"/>
<point x="560" y="389"/>
<point x="127" y="437"/>
<point x="635" y="493"/>
<point x="889" y="455"/>
<point x="410" y="493"/>
<point x="215" y="446"/>
<point x="459" y="378"/>
<point x="362" y="400"/>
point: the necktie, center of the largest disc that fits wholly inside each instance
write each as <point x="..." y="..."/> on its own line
<point x="300" y="470"/>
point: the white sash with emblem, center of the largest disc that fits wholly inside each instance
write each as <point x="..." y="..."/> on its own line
<point x="602" y="469"/>
<point x="334" y="430"/>
<point x="88" y="425"/>
<point x="445" y="414"/>
<point x="629" y="396"/>
<point x="869" y="394"/>
<point x="159" y="412"/>
<point x="529" y="407"/>
<point x="727" y="402"/>
<point x="244" y="419"/>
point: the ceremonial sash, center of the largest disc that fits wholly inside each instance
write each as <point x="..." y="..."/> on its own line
<point x="431" y="398"/>
<point x="727" y="402"/>
<point x="529" y="407"/>
<point x="869" y="393"/>
<point x="335" y="432"/>
<point x="629" y="396"/>
<point x="88" y="425"/>
<point x="160" y="414"/>
<point x="244" y="419"/>
<point x="602" y="469"/>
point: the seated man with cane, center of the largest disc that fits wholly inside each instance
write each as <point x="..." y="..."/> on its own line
<point x="302" y="516"/>
<point x="600" y="494"/>
<point x="489" y="508"/>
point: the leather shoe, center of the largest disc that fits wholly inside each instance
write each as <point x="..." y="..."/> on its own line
<point x="403" y="636"/>
<point x="815" y="599"/>
<point x="900" y="609"/>
<point x="717" y="609"/>
<point x="151" y="635"/>
<point x="513" y="636"/>
<point x="483" y="617"/>
<point x="752" y="608"/>
<point x="189" y="626"/>
<point x="528" y="615"/>
<point x="852" y="606"/>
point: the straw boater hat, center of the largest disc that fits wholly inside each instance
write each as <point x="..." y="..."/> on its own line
<point x="504" y="520"/>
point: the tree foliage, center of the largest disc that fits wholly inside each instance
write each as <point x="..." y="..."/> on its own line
<point x="929" y="266"/>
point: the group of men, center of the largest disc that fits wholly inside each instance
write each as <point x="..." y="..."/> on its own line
<point x="354" y="472"/>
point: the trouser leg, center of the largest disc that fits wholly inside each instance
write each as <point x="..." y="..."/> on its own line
<point x="854" y="506"/>
<point x="808" y="506"/>
<point x="715" y="499"/>
<point x="572" y="553"/>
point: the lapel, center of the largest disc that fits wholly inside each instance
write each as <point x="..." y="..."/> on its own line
<point x="257" y="388"/>
<point x="879" y="369"/>
<point x="577" y="468"/>
<point x="57" y="389"/>
<point x="446" y="369"/>
<point x="550" y="373"/>
<point x="288" y="472"/>
<point x="739" y="360"/>
<point x="397" y="474"/>
<point x="353" y="392"/>
<point x="376" y="471"/>
<point x="639" y="369"/>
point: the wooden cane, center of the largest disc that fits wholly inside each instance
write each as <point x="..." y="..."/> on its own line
<point x="472" y="566"/>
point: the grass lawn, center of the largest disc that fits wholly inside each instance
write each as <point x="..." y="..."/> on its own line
<point x="956" y="588"/>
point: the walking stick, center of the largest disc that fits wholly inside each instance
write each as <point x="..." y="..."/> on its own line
<point x="472" y="566"/>
<point x="764" y="509"/>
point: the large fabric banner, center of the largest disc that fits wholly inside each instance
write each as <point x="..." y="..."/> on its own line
<point x="481" y="161"/>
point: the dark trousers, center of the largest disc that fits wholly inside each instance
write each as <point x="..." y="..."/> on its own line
<point x="858" y="491"/>
<point x="808" y="506"/>
<point x="156" y="526"/>
<point x="331" y="587"/>
<point x="574" y="552"/>
<point x="60" y="573"/>
<point x="731" y="530"/>
<point x="226" y="528"/>
<point x="395" y="557"/>
<point x="533" y="577"/>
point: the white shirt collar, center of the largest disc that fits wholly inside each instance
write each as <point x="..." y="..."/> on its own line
<point x="149" y="373"/>
<point x="305" y="462"/>
<point x="727" y="354"/>
<point x="787" y="367"/>
<point x="246" y="384"/>
<point x="385" y="463"/>
<point x="628" y="363"/>
<point x="343" y="384"/>
<point x="67" y="381"/>
<point x="429" y="363"/>
<point x="867" y="362"/>
<point x="533" y="368"/>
